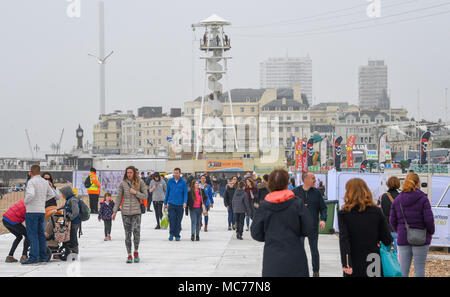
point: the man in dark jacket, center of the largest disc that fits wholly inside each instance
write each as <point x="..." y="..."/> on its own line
<point x="228" y="199"/>
<point x="314" y="202"/>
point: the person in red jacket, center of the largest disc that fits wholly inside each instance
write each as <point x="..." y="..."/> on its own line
<point x="12" y="220"/>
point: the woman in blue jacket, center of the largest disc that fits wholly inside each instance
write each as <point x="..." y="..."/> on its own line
<point x="210" y="201"/>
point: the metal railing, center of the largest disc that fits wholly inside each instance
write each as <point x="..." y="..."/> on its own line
<point x="43" y="168"/>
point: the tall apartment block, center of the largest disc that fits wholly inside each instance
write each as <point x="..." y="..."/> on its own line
<point x="373" y="85"/>
<point x="276" y="73"/>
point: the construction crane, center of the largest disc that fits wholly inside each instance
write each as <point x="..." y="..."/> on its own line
<point x="58" y="148"/>
<point x="29" y="144"/>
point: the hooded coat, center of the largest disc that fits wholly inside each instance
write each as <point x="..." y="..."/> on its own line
<point x="417" y="209"/>
<point x="282" y="221"/>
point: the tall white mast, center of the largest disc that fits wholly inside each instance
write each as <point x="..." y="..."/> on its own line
<point x="101" y="54"/>
<point x="214" y="44"/>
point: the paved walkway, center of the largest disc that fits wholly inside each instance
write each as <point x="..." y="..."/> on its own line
<point x="218" y="253"/>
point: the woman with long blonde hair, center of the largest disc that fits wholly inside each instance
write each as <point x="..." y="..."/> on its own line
<point x="361" y="227"/>
<point x="412" y="209"/>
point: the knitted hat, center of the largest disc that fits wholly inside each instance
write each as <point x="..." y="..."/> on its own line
<point x="66" y="191"/>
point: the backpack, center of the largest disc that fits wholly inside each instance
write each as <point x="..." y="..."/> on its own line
<point x="87" y="182"/>
<point x="84" y="211"/>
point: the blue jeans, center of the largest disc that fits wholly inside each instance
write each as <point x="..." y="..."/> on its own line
<point x="35" y="233"/>
<point x="231" y="220"/>
<point x="196" y="219"/>
<point x="247" y="220"/>
<point x="394" y="237"/>
<point x="175" y="216"/>
<point x="222" y="191"/>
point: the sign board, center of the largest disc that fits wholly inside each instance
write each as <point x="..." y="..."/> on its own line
<point x="371" y="155"/>
<point x="441" y="236"/>
<point x="388" y="153"/>
<point x="224" y="165"/>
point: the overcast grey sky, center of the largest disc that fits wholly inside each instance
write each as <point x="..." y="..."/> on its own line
<point x="48" y="82"/>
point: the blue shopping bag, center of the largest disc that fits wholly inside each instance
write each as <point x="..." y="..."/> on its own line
<point x="389" y="261"/>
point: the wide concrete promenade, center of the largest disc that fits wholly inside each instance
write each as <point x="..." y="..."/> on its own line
<point x="218" y="253"/>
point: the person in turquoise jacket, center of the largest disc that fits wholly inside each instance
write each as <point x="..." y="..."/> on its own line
<point x="210" y="201"/>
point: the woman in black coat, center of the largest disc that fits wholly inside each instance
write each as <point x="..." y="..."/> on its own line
<point x="361" y="227"/>
<point x="282" y="221"/>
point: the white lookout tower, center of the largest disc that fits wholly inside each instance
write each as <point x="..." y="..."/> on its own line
<point x="214" y="43"/>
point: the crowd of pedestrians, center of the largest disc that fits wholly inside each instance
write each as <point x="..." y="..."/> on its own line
<point x="276" y="211"/>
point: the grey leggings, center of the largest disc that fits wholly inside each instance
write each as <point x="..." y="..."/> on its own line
<point x="406" y="254"/>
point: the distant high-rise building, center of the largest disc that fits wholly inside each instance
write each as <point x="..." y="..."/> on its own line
<point x="373" y="85"/>
<point x="278" y="73"/>
<point x="150" y="111"/>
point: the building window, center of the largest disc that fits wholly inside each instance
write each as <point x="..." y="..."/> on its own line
<point x="106" y="136"/>
<point x="242" y="109"/>
<point x="252" y="109"/>
<point x="288" y="118"/>
<point x="118" y="136"/>
<point x="297" y="129"/>
<point x="288" y="129"/>
<point x="281" y="129"/>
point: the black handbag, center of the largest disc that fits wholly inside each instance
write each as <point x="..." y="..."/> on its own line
<point x="416" y="237"/>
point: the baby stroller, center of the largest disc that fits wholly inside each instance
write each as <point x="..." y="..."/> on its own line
<point x="57" y="233"/>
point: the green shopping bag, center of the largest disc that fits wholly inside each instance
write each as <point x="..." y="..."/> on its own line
<point x="165" y="220"/>
<point x="389" y="262"/>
